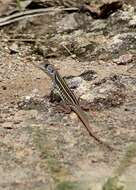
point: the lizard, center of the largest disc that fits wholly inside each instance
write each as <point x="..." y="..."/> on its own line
<point x="68" y="97"/>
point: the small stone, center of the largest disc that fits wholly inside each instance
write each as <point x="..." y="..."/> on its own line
<point x="7" y="125"/>
<point x="73" y="56"/>
<point x="13" y="48"/>
<point x="123" y="59"/>
<point x="132" y="22"/>
<point x="4" y="87"/>
<point x="27" y="98"/>
<point x="68" y="23"/>
<point x="73" y="116"/>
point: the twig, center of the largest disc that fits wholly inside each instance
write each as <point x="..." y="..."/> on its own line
<point x="30" y="13"/>
<point x="67" y="49"/>
<point x="74" y="56"/>
<point x="23" y="40"/>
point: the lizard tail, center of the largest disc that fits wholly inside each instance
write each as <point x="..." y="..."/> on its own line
<point x="85" y="121"/>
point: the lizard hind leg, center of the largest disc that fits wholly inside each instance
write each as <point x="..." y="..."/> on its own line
<point x="85" y="105"/>
<point x="63" y="108"/>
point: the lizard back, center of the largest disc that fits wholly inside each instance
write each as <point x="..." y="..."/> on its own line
<point x="65" y="92"/>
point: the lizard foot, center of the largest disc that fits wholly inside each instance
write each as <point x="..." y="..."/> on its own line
<point x="63" y="108"/>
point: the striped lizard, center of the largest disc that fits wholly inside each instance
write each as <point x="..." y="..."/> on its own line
<point x="68" y="97"/>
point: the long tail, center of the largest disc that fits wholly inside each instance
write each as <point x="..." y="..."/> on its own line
<point x="85" y="121"/>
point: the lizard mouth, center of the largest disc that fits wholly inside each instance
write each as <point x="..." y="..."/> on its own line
<point x="42" y="66"/>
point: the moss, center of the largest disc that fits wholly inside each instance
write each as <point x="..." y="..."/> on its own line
<point x="49" y="157"/>
<point x="18" y="4"/>
<point x="54" y="165"/>
<point x="112" y="184"/>
<point x="41" y="142"/>
<point x="68" y="185"/>
<point x="126" y="160"/>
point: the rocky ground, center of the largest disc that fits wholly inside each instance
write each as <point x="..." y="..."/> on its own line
<point x="42" y="149"/>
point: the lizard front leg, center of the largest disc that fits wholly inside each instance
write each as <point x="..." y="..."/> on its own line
<point x="54" y="96"/>
<point x="60" y="106"/>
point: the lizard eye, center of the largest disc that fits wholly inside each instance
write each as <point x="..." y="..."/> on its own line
<point x="46" y="65"/>
<point x="50" y="69"/>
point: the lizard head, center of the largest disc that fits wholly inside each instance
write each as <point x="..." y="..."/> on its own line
<point x="47" y="68"/>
